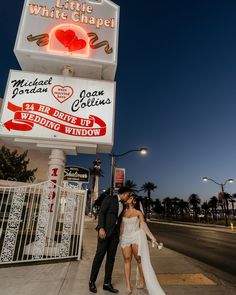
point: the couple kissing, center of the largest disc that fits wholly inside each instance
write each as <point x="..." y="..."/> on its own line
<point x="121" y="220"/>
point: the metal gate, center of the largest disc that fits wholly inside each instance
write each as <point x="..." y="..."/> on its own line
<point x="40" y="222"/>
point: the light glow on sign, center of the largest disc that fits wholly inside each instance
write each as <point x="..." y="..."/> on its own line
<point x="69" y="39"/>
<point x="72" y="10"/>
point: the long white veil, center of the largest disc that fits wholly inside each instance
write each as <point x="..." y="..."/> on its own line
<point x="150" y="277"/>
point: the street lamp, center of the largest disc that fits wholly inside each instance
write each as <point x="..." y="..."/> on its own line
<point x="222" y="185"/>
<point x="142" y="151"/>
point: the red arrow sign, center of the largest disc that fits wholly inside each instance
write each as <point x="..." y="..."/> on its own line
<point x="18" y="126"/>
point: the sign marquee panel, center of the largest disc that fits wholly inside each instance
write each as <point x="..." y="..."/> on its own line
<point x="119" y="177"/>
<point x="47" y="107"/>
<point x="74" y="29"/>
<point x="76" y="173"/>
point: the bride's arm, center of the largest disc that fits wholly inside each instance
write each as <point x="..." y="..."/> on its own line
<point x="144" y="227"/>
<point x="121" y="227"/>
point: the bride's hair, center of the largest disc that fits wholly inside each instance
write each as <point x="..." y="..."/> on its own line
<point x="137" y="203"/>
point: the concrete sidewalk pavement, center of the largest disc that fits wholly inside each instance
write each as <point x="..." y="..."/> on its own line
<point x="178" y="274"/>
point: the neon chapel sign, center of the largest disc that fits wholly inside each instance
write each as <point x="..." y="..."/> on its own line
<point x="69" y="10"/>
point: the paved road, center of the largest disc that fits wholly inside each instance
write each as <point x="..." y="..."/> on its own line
<point x="215" y="248"/>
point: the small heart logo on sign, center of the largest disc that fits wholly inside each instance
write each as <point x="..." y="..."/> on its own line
<point x="62" y="93"/>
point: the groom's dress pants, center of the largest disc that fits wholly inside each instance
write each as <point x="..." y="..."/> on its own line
<point x="109" y="246"/>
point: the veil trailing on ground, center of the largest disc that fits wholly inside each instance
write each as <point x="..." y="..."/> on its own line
<point x="151" y="281"/>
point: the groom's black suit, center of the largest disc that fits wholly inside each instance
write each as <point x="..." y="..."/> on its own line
<point x="109" y="220"/>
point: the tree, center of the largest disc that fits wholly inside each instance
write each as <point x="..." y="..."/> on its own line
<point x="157" y="206"/>
<point x="227" y="197"/>
<point x="213" y="205"/>
<point x="175" y="206"/>
<point x="96" y="172"/>
<point x="148" y="187"/>
<point x="232" y="201"/>
<point x="131" y="185"/>
<point x="194" y="201"/>
<point x="167" y="206"/>
<point x="183" y="206"/>
<point x="205" y="207"/>
<point x="14" y="166"/>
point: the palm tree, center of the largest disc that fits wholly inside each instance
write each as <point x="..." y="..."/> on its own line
<point x="96" y="172"/>
<point x="194" y="201"/>
<point x="213" y="205"/>
<point x="183" y="206"/>
<point x="157" y="206"/>
<point x="205" y="207"/>
<point x="148" y="187"/>
<point x="175" y="207"/>
<point x="227" y="197"/>
<point x="131" y="185"/>
<point x="167" y="205"/>
<point x="232" y="201"/>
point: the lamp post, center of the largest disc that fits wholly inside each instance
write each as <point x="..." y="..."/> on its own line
<point x="222" y="185"/>
<point x="142" y="151"/>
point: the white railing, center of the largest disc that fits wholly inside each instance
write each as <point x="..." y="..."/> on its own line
<point x="40" y="222"/>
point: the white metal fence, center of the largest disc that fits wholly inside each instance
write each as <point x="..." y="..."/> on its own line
<point x="40" y="222"/>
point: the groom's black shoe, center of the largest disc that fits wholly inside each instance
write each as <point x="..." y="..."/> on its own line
<point x="92" y="287"/>
<point x="109" y="287"/>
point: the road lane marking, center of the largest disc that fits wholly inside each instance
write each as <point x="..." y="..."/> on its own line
<point x="225" y="230"/>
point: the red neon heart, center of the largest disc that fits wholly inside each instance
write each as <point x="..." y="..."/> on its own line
<point x="65" y="37"/>
<point x="76" y="44"/>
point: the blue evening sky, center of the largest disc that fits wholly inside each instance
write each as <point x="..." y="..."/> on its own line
<point x="176" y="92"/>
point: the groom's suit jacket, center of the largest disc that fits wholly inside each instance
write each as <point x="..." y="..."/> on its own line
<point x="108" y="215"/>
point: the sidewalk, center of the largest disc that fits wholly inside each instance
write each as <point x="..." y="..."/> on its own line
<point x="178" y="275"/>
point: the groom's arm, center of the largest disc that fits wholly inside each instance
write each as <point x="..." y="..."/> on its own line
<point x="102" y="213"/>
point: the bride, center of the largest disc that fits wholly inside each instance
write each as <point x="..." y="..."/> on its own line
<point x="134" y="232"/>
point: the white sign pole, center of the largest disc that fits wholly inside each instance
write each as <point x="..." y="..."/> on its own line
<point x="56" y="166"/>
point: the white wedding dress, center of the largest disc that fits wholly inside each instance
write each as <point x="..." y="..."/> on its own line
<point x="135" y="233"/>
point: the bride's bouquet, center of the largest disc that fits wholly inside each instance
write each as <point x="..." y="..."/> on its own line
<point x="158" y="245"/>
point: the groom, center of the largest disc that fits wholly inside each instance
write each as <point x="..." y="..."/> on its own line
<point x="108" y="237"/>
